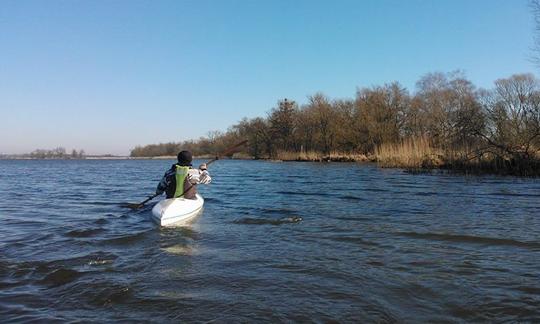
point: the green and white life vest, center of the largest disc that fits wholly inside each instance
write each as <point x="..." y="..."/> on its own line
<point x="181" y="175"/>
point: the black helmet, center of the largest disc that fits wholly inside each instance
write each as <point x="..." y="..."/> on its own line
<point x="184" y="158"/>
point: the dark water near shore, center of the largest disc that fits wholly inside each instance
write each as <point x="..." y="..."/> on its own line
<point x="276" y="242"/>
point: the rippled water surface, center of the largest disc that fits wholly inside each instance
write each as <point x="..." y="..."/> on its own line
<point x="276" y="242"/>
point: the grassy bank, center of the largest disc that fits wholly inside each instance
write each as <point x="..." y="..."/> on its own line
<point x="419" y="155"/>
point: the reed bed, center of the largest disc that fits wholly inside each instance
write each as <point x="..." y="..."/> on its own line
<point x="418" y="154"/>
<point x="314" y="156"/>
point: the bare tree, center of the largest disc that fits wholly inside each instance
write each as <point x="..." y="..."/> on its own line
<point x="446" y="110"/>
<point x="344" y="112"/>
<point x="381" y="112"/>
<point x="282" y="122"/>
<point x="324" y="117"/>
<point x="513" y="112"/>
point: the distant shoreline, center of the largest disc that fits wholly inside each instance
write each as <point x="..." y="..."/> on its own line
<point x="105" y="157"/>
<point x="424" y="163"/>
<point x="90" y="158"/>
<point x="290" y="158"/>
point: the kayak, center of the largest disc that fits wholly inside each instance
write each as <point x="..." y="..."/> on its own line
<point x="177" y="211"/>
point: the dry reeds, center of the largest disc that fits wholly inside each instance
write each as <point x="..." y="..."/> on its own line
<point x="314" y="156"/>
<point x="417" y="154"/>
<point x="413" y="153"/>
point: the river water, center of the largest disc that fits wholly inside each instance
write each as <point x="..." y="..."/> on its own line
<point x="276" y="242"/>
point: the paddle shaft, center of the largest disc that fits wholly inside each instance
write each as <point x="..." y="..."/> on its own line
<point x="148" y="199"/>
<point x="230" y="150"/>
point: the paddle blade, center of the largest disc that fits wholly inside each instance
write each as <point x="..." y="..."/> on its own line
<point x="132" y="206"/>
<point x="141" y="204"/>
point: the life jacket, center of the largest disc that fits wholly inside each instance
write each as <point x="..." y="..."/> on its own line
<point x="183" y="187"/>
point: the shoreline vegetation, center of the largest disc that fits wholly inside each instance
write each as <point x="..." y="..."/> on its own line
<point x="446" y="123"/>
<point x="412" y="156"/>
<point x="58" y="153"/>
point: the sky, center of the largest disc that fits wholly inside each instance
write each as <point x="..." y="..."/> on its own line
<point x="107" y="75"/>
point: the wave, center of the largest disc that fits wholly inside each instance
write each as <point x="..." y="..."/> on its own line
<point x="111" y="294"/>
<point x="125" y="239"/>
<point x="509" y="194"/>
<point x="352" y="239"/>
<point x="52" y="274"/>
<point x="278" y="211"/>
<point x="46" y="267"/>
<point x="267" y="211"/>
<point x="99" y="203"/>
<point x="300" y="193"/>
<point x="213" y="199"/>
<point x="354" y="218"/>
<point x="60" y="277"/>
<point x="349" y="197"/>
<point x="470" y="239"/>
<point x="102" y="221"/>
<point x="268" y="221"/>
<point x="84" y="232"/>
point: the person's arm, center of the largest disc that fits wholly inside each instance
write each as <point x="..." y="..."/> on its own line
<point x="205" y="176"/>
<point x="199" y="176"/>
<point x="164" y="183"/>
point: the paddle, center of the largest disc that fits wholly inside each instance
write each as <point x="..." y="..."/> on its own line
<point x="229" y="151"/>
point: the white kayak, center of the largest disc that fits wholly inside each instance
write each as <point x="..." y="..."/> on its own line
<point x="177" y="211"/>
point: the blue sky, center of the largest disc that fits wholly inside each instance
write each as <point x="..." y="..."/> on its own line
<point x="108" y="75"/>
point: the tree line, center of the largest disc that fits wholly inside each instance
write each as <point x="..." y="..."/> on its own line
<point x="447" y="110"/>
<point x="56" y="153"/>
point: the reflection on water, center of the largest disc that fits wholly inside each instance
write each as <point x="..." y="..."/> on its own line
<point x="276" y="242"/>
<point x="180" y="240"/>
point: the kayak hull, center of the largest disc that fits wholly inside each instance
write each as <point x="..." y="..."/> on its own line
<point x="177" y="211"/>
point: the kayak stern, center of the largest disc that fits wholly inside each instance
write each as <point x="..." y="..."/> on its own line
<point x="177" y="211"/>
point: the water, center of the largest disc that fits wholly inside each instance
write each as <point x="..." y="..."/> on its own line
<point x="276" y="242"/>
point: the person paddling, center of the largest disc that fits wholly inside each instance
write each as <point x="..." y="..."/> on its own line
<point x="181" y="179"/>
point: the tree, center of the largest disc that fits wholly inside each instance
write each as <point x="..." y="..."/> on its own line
<point x="306" y="129"/>
<point x="381" y="112"/>
<point x="59" y="152"/>
<point x="446" y="110"/>
<point x="282" y="123"/>
<point x="257" y="132"/>
<point x="513" y="114"/>
<point x="322" y="111"/>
